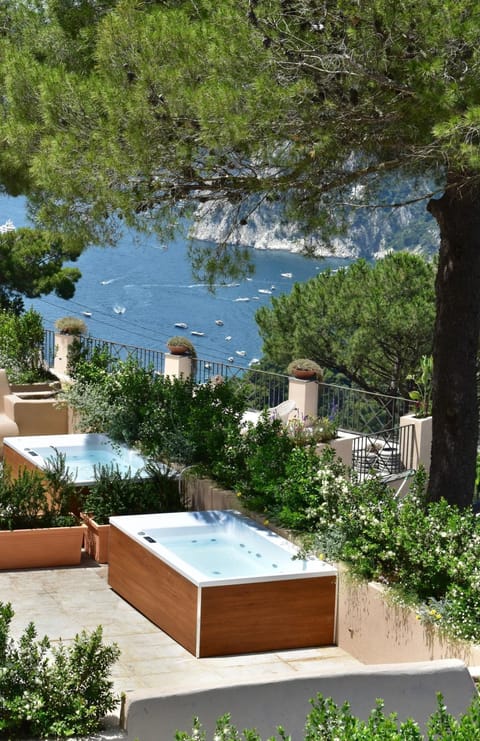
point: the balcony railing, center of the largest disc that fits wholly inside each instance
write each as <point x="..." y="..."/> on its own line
<point x="386" y="453"/>
<point x="49" y="348"/>
<point x="354" y="410"/>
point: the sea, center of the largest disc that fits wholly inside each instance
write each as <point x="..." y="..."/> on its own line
<point x="136" y="292"/>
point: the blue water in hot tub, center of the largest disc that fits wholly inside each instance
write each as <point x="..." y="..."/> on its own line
<point x="82" y="460"/>
<point x="226" y="556"/>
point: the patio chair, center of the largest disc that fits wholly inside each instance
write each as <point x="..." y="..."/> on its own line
<point x="281" y="411"/>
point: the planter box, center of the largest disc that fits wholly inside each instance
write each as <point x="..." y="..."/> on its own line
<point x="96" y="539"/>
<point x="376" y="631"/>
<point x="41" y="548"/>
<point x="342" y="446"/>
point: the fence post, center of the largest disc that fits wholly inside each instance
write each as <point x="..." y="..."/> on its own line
<point x="178" y="366"/>
<point x="60" y="362"/>
<point x="422" y="439"/>
<point x="305" y="396"/>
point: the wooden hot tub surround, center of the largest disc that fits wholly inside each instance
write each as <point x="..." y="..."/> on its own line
<point x="217" y="620"/>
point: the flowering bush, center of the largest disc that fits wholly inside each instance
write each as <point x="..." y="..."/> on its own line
<point x="428" y="551"/>
<point x="311" y="431"/>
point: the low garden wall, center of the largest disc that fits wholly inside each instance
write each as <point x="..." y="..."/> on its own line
<point x="373" y="629"/>
<point x="409" y="691"/>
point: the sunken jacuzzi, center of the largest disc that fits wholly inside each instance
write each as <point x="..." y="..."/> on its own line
<point x="219" y="583"/>
<point x="82" y="453"/>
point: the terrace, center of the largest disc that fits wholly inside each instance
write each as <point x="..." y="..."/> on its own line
<point x="385" y="439"/>
<point x="153" y="668"/>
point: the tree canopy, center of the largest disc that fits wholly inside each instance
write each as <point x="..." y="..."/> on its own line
<point x="31" y="264"/>
<point x="370" y="322"/>
<point x="131" y="114"/>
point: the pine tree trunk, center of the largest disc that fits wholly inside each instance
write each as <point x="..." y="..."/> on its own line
<point x="456" y="336"/>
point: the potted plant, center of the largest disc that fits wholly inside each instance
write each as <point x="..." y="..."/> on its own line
<point x="422" y="393"/>
<point x="421" y="419"/>
<point x="306" y="369"/>
<point x="37" y="528"/>
<point x="179" y="345"/>
<point x="71" y="325"/>
<point x="114" y="493"/>
<point x="69" y="329"/>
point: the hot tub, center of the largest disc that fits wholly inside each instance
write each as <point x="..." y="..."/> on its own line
<point x="82" y="452"/>
<point x="219" y="583"/>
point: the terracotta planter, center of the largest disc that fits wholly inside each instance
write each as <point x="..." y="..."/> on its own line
<point x="96" y="539"/>
<point x="304" y="375"/>
<point x="41" y="548"/>
<point x="178" y="349"/>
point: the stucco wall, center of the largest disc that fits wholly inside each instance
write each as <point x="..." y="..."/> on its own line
<point x="409" y="690"/>
<point x="372" y="629"/>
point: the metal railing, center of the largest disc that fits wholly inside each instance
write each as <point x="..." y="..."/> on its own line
<point x="49" y="348"/>
<point x="384" y="453"/>
<point x="354" y="409"/>
<point x="263" y="389"/>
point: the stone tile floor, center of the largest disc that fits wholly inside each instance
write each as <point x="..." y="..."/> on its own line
<point x="63" y="601"/>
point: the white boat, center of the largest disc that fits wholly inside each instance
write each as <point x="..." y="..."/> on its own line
<point x="197" y="334"/>
<point x="87" y="313"/>
<point x="119" y="309"/>
<point x="253" y="361"/>
<point x="242" y="298"/>
<point x="219" y="322"/>
<point x="264" y="290"/>
<point x="286" y="275"/>
<point x="7" y="227"/>
<point x="181" y="325"/>
<point x="228" y="337"/>
<point x="230" y="359"/>
<point x="242" y="353"/>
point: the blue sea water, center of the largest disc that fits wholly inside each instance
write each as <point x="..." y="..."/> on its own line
<point x="138" y="290"/>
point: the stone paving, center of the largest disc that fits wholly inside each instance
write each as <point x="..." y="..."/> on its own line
<point x="63" y="601"/>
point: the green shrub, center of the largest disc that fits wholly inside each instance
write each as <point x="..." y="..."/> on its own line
<point x="33" y="499"/>
<point x="116" y="493"/>
<point x="259" y="462"/>
<point x="21" y="346"/>
<point x="330" y="722"/>
<point x="429" y="552"/>
<point x="50" y="690"/>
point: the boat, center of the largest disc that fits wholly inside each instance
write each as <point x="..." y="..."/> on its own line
<point x="87" y="313"/>
<point x="197" y="334"/>
<point x="119" y="309"/>
<point x="228" y="337"/>
<point x="286" y="275"/>
<point x="181" y="325"/>
<point x="242" y="298"/>
<point x="7" y="227"/>
<point x="230" y="359"/>
<point x="264" y="290"/>
<point x="219" y="322"/>
<point x="253" y="361"/>
<point x="242" y="353"/>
